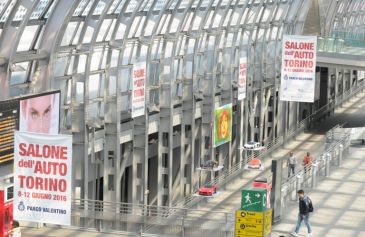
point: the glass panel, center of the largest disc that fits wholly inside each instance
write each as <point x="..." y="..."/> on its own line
<point x="77" y="36"/>
<point x="50" y="10"/>
<point x="99" y="8"/>
<point x="95" y="60"/>
<point x="19" y="71"/>
<point x="112" y="85"/>
<point x="149" y="28"/>
<point x="88" y="35"/>
<point x="80" y="7"/>
<point x="70" y="65"/>
<point x="113" y="6"/>
<point x="7" y="11"/>
<point x="39" y="9"/>
<point x="103" y="29"/>
<point x="60" y="67"/>
<point x="19" y="15"/>
<point x="88" y="7"/>
<point x="114" y="59"/>
<point x="196" y="22"/>
<point x="132" y="5"/>
<point x="126" y="83"/>
<point x="111" y="29"/>
<point x="175" y="24"/>
<point x="94" y="85"/>
<point x="120" y="32"/>
<point x="71" y="27"/>
<point x="217" y="20"/>
<point x="3" y="4"/>
<point x="27" y="37"/>
<point x="81" y="64"/>
<point x="79" y="92"/>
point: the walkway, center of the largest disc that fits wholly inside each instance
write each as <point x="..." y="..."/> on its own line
<point x="338" y="201"/>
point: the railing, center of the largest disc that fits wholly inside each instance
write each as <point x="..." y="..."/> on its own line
<point x="340" y="44"/>
<point x="181" y="220"/>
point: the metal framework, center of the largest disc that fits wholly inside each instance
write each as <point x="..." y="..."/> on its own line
<point x="343" y="19"/>
<point x="87" y="49"/>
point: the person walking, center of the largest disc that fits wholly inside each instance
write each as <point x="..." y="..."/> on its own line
<point x="305" y="210"/>
<point x="291" y="163"/>
<point x="307" y="162"/>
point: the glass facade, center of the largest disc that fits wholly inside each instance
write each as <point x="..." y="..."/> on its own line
<point x="191" y="49"/>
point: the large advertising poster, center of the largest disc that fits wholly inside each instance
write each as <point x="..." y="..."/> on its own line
<point x="138" y="91"/>
<point x="40" y="114"/>
<point x="37" y="113"/>
<point x="222" y="125"/>
<point x="8" y="123"/>
<point x="298" y="68"/>
<point x="42" y="178"/>
<point x="242" y="77"/>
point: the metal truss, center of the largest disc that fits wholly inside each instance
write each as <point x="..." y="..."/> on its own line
<point x="87" y="49"/>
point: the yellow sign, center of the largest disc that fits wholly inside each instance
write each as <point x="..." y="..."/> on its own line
<point x="247" y="227"/>
<point x="253" y="224"/>
<point x="250" y="214"/>
<point x="268" y="216"/>
<point x="249" y="221"/>
<point x="249" y="234"/>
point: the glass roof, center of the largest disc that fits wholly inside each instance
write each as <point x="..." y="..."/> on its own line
<point x="81" y="39"/>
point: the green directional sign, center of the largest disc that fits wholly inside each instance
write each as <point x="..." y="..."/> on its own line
<point x="254" y="199"/>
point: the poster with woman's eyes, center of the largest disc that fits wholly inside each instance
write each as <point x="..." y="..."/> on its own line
<point x="222" y="125"/>
<point x="40" y="114"/>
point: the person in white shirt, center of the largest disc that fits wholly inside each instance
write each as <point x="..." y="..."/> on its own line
<point x="291" y="163"/>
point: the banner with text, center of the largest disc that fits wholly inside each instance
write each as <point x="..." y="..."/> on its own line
<point x="298" y="68"/>
<point x="42" y="178"/>
<point x="242" y="77"/>
<point x="138" y="92"/>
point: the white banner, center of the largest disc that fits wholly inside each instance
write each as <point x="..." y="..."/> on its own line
<point x="242" y="78"/>
<point x="138" y="91"/>
<point x="298" y="68"/>
<point x="42" y="178"/>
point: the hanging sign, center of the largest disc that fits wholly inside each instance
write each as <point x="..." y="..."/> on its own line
<point x="298" y="68"/>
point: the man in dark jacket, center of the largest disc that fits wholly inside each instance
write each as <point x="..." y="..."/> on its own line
<point x="305" y="208"/>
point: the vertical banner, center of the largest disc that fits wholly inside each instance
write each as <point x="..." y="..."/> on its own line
<point x="298" y="68"/>
<point x="138" y="91"/>
<point x="222" y="125"/>
<point x="42" y="178"/>
<point x="242" y="77"/>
